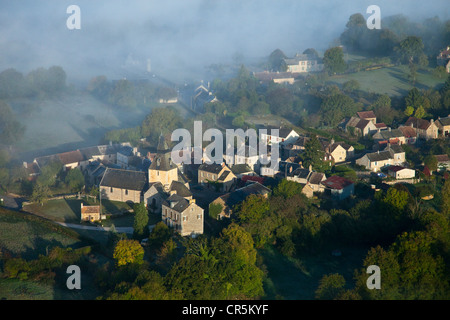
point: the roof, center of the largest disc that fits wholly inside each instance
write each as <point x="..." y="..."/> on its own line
<point x="176" y="202"/>
<point x="442" y="158"/>
<point x="337" y="182"/>
<point x="90" y="209"/>
<point x="71" y="157"/>
<point x="408" y="132"/>
<point x="126" y="151"/>
<point x="379" y="156"/>
<point x="395" y="148"/>
<point x="445" y="121"/>
<point x="366" y="114"/>
<point x="224" y="175"/>
<point x="389" y="134"/>
<point x="124" y="179"/>
<point x="241" y="194"/>
<point x="353" y="122"/>
<point x="316" y="178"/>
<point x="162" y="162"/>
<point x="397" y="168"/>
<point x="181" y="189"/>
<point x="418" y="123"/>
<point x="362" y="123"/>
<point x="300" y="172"/>
<point x="246" y="178"/>
<point x="380" y="125"/>
<point x="211" y="168"/>
<point x="283" y="132"/>
<point x="241" y="168"/>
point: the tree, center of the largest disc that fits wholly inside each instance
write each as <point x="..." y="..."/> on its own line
<point x="276" y="61"/>
<point x="313" y="154"/>
<point x="287" y="189"/>
<point x="252" y="209"/>
<point x="128" y="252"/>
<point x="40" y="193"/>
<point x="446" y="198"/>
<point x="333" y="60"/>
<point x="312" y="52"/>
<point x="410" y="50"/>
<point x="75" y="180"/>
<point x="350" y="86"/>
<point x="431" y="162"/>
<point x="330" y="287"/>
<point x="140" y="220"/>
<point x="419" y="113"/>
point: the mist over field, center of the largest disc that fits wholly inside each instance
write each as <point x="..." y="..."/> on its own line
<point x="179" y="37"/>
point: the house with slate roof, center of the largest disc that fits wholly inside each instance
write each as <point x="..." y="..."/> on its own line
<point x="302" y="63"/>
<point x="392" y="136"/>
<point x="123" y="185"/>
<point x="390" y="155"/>
<point x="425" y="129"/>
<point x="229" y="200"/>
<point x="444" y="126"/>
<point x="184" y="215"/>
<point x="216" y="173"/>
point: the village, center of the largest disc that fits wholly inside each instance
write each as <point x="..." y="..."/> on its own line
<point x="182" y="194"/>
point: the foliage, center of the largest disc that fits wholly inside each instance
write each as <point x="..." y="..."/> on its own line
<point x="128" y="252"/>
<point x="75" y="180"/>
<point x="330" y="286"/>
<point x="333" y="60"/>
<point x="287" y="189"/>
<point x="215" y="209"/>
<point x="140" y="220"/>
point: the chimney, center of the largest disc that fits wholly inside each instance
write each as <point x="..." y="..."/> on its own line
<point x="25" y="165"/>
<point x="82" y="205"/>
<point x="310" y="167"/>
<point x="172" y="192"/>
<point x="390" y="129"/>
<point x="191" y="201"/>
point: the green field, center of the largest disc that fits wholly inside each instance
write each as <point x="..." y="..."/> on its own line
<point x="30" y="236"/>
<point x="69" y="210"/>
<point x="392" y="81"/>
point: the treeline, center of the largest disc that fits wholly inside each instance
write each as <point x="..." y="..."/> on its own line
<point x="387" y="41"/>
<point x="410" y="241"/>
<point x="40" y="82"/>
<point x="129" y="94"/>
<point x="224" y="267"/>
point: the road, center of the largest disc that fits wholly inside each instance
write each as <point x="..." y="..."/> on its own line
<point x="128" y="230"/>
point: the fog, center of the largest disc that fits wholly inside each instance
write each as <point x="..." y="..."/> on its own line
<point x="180" y="37"/>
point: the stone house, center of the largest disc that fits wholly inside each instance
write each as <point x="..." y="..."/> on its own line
<point x="123" y="185"/>
<point x="90" y="213"/>
<point x="216" y="173"/>
<point x="443" y="125"/>
<point x="425" y="129"/>
<point x="302" y="63"/>
<point x="184" y="215"/>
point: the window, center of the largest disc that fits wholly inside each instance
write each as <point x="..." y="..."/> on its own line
<point x="126" y="192"/>
<point x="199" y="216"/>
<point x="184" y="219"/>
<point x="111" y="190"/>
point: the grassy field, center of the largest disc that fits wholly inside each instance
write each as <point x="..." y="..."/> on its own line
<point x="69" y="210"/>
<point x="392" y="81"/>
<point x="29" y="236"/>
<point x="298" y="279"/>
